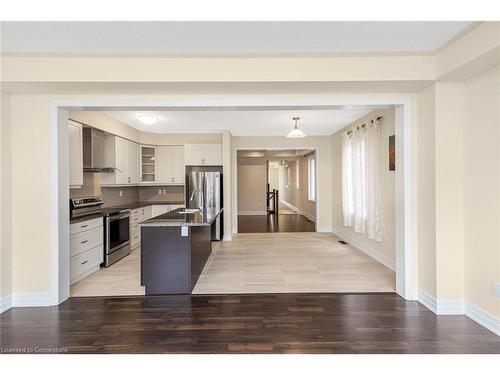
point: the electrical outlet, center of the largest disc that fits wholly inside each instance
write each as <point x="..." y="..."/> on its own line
<point x="184" y="231"/>
<point x="121" y="193"/>
<point x="496" y="289"/>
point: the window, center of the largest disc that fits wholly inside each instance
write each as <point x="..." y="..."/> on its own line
<point x="362" y="205"/>
<point x="311" y="178"/>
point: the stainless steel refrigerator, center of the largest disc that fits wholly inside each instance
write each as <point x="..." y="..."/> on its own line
<point x="204" y="190"/>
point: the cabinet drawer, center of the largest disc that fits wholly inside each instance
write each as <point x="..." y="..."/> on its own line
<point x="84" y="241"/>
<point x="135" y="240"/>
<point x="85" y="225"/>
<point x="84" y="264"/>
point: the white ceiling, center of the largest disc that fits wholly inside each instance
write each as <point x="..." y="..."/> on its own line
<point x="246" y="122"/>
<point x="226" y="37"/>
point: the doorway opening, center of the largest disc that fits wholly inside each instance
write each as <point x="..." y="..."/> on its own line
<point x="289" y="240"/>
<point x="276" y="190"/>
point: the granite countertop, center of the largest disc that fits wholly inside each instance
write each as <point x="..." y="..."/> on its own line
<point x="175" y="218"/>
<point x="133" y="206"/>
<point x="129" y="206"/>
<point x="85" y="218"/>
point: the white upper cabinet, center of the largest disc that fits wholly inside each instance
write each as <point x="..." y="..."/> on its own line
<point x="133" y="162"/>
<point x="123" y="155"/>
<point x="121" y="161"/>
<point x="149" y="164"/>
<point x="170" y="163"/>
<point x="179" y="165"/>
<point x="75" y="154"/>
<point x="203" y="154"/>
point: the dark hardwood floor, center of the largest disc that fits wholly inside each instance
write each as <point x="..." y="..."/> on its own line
<point x="274" y="223"/>
<point x="264" y="323"/>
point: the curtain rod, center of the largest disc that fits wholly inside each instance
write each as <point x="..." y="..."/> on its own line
<point x="364" y="125"/>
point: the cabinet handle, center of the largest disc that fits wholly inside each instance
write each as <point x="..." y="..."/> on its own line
<point x="84" y="226"/>
<point x="84" y="241"/>
<point x="84" y="262"/>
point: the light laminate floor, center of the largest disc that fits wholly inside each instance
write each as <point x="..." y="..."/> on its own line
<point x="261" y="263"/>
<point x="121" y="279"/>
<point x="291" y="263"/>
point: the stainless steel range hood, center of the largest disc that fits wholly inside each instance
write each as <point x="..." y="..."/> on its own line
<point x="93" y="151"/>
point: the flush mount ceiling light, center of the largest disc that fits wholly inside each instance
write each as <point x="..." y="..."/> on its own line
<point x="147" y="119"/>
<point x="296" y="132"/>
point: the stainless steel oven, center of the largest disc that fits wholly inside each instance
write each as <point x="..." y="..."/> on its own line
<point x="116" y="236"/>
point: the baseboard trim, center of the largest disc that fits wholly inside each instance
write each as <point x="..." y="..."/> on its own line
<point x="427" y="300"/>
<point x="249" y="213"/>
<point x="310" y="217"/>
<point x="441" y="306"/>
<point x="5" y="303"/>
<point x="290" y="206"/>
<point x="389" y="263"/>
<point x="31" y="300"/>
<point x="483" y="318"/>
<point x="460" y="307"/>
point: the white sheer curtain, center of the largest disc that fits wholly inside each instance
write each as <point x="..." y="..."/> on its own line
<point x="362" y="204"/>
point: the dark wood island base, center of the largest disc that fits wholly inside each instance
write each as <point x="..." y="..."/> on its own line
<point x="172" y="263"/>
<point x="174" y="249"/>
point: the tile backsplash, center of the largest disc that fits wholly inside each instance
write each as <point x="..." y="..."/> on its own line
<point x="91" y="186"/>
<point x="129" y="194"/>
<point x="161" y="194"/>
<point x="111" y="195"/>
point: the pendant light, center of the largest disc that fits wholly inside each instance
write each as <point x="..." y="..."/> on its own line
<point x="296" y="132"/>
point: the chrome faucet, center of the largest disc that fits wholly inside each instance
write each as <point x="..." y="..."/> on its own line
<point x="201" y="200"/>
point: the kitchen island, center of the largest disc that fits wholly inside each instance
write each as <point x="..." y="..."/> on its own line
<point x="174" y="249"/>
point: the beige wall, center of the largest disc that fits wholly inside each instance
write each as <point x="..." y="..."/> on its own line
<point x="385" y="248"/>
<point x="448" y="191"/>
<point x="251" y="186"/>
<point x="218" y="69"/>
<point x="426" y="202"/>
<point x="481" y="188"/>
<point x="31" y="192"/>
<point x="5" y="204"/>
<point x="323" y="157"/>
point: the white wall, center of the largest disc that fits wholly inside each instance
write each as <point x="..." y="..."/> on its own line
<point x="251" y="186"/>
<point x="385" y="249"/>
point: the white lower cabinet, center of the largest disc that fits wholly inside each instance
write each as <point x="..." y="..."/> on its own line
<point x="144" y="213"/>
<point x="86" y="248"/>
<point x="160" y="209"/>
<point x="137" y="216"/>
